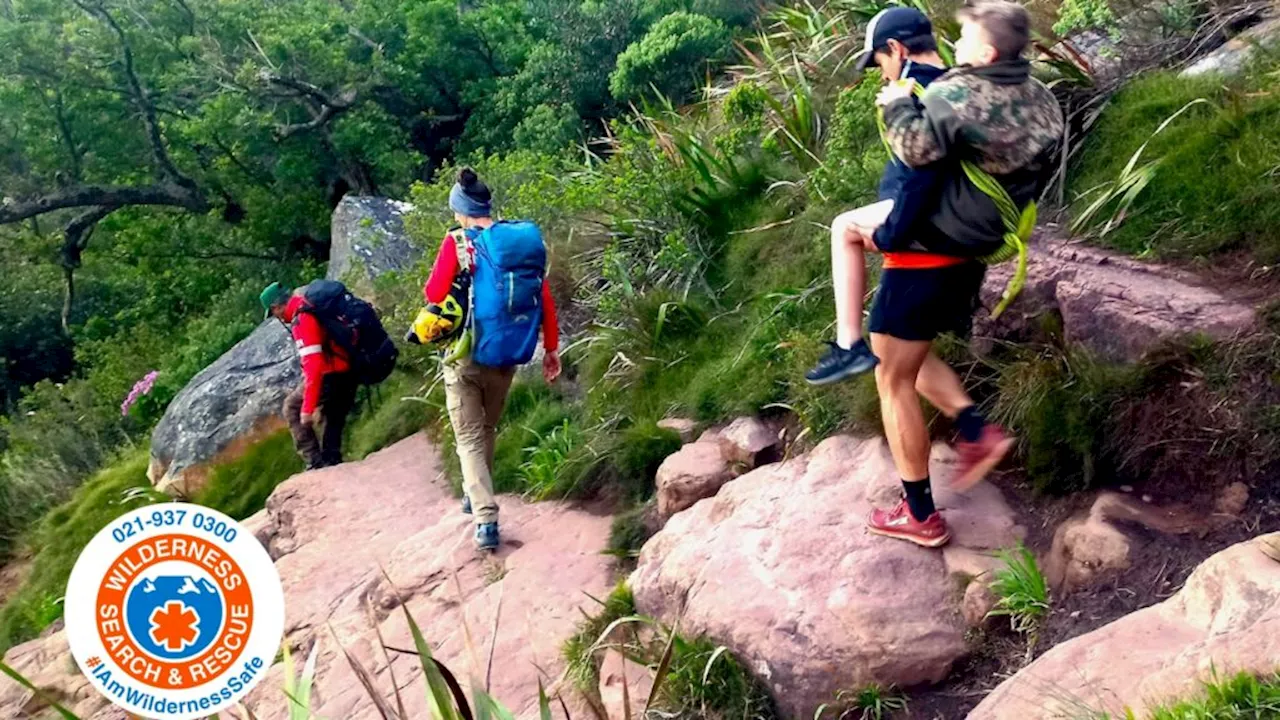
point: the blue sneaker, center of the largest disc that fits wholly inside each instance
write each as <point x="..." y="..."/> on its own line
<point x="840" y="364"/>
<point x="487" y="536"/>
<point x="466" y="504"/>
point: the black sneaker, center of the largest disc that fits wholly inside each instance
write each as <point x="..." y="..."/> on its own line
<point x="840" y="364"/>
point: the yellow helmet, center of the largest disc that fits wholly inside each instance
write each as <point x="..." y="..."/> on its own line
<point x="441" y="323"/>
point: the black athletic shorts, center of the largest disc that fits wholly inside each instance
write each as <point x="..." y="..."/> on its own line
<point x="923" y="304"/>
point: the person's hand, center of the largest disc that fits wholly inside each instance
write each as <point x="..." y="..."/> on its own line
<point x="869" y="243"/>
<point x="551" y="366"/>
<point x="310" y="418"/>
<point x="895" y="91"/>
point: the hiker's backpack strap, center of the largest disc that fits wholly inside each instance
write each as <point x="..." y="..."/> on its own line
<point x="1018" y="226"/>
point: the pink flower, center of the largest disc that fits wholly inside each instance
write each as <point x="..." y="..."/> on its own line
<point x="140" y="388"/>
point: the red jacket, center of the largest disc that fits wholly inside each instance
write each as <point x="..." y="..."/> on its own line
<point x="446" y="269"/>
<point x="319" y="356"/>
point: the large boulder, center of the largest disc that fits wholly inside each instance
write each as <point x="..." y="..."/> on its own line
<point x="368" y="239"/>
<point x="1237" y="53"/>
<point x="779" y="568"/>
<point x="334" y="532"/>
<point x="1226" y="619"/>
<point x="1114" y="305"/>
<point x="224" y="410"/>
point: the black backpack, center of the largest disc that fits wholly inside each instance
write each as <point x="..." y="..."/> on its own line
<point x="353" y="325"/>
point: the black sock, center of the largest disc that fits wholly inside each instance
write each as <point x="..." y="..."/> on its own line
<point x="970" y="423"/>
<point x="919" y="498"/>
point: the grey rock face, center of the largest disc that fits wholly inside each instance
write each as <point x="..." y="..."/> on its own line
<point x="368" y="239"/>
<point x="226" y="407"/>
<point x="1235" y="55"/>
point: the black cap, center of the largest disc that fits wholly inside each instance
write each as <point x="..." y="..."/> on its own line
<point x="904" y="24"/>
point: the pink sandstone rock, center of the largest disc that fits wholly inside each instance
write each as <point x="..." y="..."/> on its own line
<point x="617" y="673"/>
<point x="682" y="426"/>
<point x="696" y="471"/>
<point x="337" y="530"/>
<point x="1225" y="619"/>
<point x="779" y="568"/>
<point x="747" y="441"/>
<point x="1117" y="306"/>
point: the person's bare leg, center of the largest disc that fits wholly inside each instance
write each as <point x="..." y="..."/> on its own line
<point x="981" y="446"/>
<point x="941" y="386"/>
<point x="904" y="426"/>
<point x="848" y="279"/>
<point x="915" y="519"/>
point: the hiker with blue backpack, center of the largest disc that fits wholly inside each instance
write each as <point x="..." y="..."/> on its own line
<point x="500" y="270"/>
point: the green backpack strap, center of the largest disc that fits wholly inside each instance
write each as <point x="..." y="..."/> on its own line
<point x="1017" y="225"/>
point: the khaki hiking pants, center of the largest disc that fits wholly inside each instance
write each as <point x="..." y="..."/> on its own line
<point x="475" y="395"/>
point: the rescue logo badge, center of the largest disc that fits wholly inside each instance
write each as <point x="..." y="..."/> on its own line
<point x="174" y="612"/>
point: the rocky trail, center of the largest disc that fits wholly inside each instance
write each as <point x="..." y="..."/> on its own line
<point x="763" y="548"/>
<point x="775" y="565"/>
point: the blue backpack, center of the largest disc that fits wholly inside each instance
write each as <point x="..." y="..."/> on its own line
<point x="506" y="293"/>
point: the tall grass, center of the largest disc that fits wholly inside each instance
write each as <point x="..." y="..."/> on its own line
<point x="57" y="541"/>
<point x="1229" y="138"/>
<point x="240" y="488"/>
<point x="872" y="702"/>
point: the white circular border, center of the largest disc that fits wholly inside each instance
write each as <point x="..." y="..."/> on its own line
<point x="80" y="608"/>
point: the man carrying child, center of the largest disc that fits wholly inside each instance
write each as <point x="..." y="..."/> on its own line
<point x="989" y="112"/>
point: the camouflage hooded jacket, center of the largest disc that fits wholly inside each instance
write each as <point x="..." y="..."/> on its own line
<point x="997" y="116"/>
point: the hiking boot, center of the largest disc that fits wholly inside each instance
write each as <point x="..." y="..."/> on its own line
<point x="899" y="523"/>
<point x="981" y="457"/>
<point x="487" y="536"/>
<point x="839" y="364"/>
<point x="466" y="504"/>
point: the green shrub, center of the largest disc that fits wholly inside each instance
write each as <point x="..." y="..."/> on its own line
<point x="870" y="702"/>
<point x="855" y="156"/>
<point x="1063" y="407"/>
<point x="533" y="412"/>
<point x="639" y="452"/>
<point x="553" y="463"/>
<point x="240" y="488"/>
<point x="1240" y="697"/>
<point x="670" y="57"/>
<point x="549" y="129"/>
<point x="57" y="541"/>
<point x="1075" y="15"/>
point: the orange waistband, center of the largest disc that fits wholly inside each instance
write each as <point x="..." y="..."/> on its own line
<point x="919" y="261"/>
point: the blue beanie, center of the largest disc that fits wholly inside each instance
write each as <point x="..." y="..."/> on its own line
<point x="470" y="197"/>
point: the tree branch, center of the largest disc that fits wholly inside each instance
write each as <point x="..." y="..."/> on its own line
<point x="114" y="197"/>
<point x="75" y="238"/>
<point x="324" y="107"/>
<point x="159" y="153"/>
<point x="64" y="126"/>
